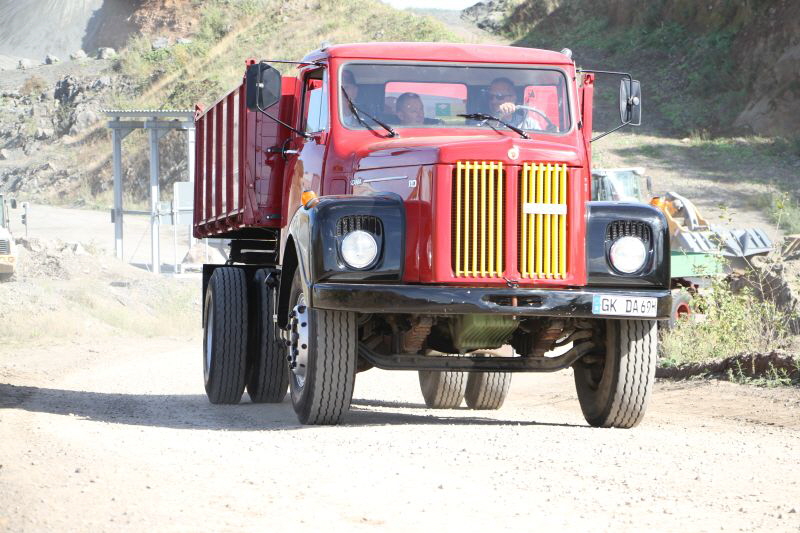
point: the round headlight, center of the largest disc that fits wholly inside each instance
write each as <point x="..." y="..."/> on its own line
<point x="359" y="249"/>
<point x="628" y="254"/>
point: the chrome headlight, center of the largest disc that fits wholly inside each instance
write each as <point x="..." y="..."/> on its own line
<point x="359" y="249"/>
<point x="628" y="254"/>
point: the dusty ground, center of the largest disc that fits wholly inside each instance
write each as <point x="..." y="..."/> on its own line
<point x="118" y="435"/>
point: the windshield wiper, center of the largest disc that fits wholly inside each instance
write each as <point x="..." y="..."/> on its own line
<point x="357" y="113"/>
<point x="485" y="117"/>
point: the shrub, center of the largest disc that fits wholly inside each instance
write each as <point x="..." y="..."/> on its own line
<point x="733" y="323"/>
<point x="33" y="86"/>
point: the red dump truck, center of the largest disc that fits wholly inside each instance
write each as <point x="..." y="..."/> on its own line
<point x="414" y="206"/>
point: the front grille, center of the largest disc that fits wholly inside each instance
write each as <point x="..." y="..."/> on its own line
<point x="350" y="223"/>
<point x="630" y="228"/>
<point x="478" y="211"/>
<point x="542" y="219"/>
<point x="5" y="247"/>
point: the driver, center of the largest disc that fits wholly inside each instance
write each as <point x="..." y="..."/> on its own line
<point x="502" y="97"/>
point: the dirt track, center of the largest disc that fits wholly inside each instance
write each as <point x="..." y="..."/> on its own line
<point x="119" y="436"/>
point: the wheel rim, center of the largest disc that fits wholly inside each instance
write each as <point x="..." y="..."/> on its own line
<point x="209" y="355"/>
<point x="298" y="349"/>
<point x="682" y="310"/>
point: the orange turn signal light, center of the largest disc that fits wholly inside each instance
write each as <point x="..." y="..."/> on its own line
<point x="657" y="201"/>
<point x="306" y="197"/>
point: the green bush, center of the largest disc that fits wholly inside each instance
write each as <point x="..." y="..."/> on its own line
<point x="732" y="323"/>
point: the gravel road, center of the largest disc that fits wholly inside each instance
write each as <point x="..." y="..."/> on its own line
<point x="117" y="435"/>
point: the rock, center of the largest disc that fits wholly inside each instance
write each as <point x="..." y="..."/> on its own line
<point x="75" y="247"/>
<point x="66" y="90"/>
<point x="106" y="53"/>
<point x="11" y="94"/>
<point x="160" y="43"/>
<point x="5" y="154"/>
<point x="78" y="55"/>
<point x="101" y="83"/>
<point x="43" y="133"/>
<point x="84" y="119"/>
<point x="51" y="60"/>
<point x="183" y="40"/>
<point x="24" y="64"/>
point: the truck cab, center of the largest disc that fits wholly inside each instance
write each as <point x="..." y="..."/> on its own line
<point x="418" y="206"/>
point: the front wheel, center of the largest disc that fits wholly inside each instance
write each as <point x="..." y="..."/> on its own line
<point x="322" y="354"/>
<point x="614" y="390"/>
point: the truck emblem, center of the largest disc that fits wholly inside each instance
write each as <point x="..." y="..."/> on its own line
<point x="513" y="153"/>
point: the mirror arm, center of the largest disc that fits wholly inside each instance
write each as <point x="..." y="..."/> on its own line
<point x="609" y="131"/>
<point x="303" y="134"/>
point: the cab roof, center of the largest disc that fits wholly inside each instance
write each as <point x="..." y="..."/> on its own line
<point x="467" y="53"/>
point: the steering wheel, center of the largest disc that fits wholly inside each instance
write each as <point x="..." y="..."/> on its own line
<point x="550" y="125"/>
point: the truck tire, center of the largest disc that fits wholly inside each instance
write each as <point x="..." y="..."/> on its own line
<point x="267" y="368"/>
<point x="442" y="389"/>
<point x="324" y="351"/>
<point x="681" y="307"/>
<point x="487" y="390"/>
<point x="614" y="392"/>
<point x="225" y="335"/>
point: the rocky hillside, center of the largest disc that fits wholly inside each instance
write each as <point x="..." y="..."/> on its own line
<point x="138" y="54"/>
<point x="722" y="66"/>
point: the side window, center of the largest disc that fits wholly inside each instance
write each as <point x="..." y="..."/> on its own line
<point x="315" y="101"/>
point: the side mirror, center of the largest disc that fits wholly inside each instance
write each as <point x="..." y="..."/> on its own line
<point x="630" y="102"/>
<point x="263" y="86"/>
<point x="13" y="203"/>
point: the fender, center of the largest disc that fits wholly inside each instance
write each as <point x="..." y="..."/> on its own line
<point x="599" y="217"/>
<point x="314" y="240"/>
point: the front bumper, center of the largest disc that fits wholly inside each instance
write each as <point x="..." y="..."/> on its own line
<point x="453" y="300"/>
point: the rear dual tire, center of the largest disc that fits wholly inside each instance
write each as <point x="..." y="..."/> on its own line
<point x="225" y="335"/>
<point x="481" y="390"/>
<point x="267" y="369"/>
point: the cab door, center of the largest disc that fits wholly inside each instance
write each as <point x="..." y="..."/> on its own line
<point x="305" y="158"/>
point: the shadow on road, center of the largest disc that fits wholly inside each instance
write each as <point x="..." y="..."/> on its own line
<point x="193" y="411"/>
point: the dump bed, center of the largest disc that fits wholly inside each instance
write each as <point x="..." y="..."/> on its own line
<point x="238" y="182"/>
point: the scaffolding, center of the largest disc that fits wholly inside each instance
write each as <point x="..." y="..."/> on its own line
<point x="157" y="123"/>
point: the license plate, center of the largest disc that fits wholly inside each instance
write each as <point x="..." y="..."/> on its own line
<point x="607" y="304"/>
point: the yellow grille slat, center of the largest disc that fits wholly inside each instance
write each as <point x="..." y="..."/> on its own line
<point x="478" y="219"/>
<point x="499" y="247"/>
<point x="543" y="222"/>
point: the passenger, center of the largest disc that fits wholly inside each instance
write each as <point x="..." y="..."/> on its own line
<point x="502" y="96"/>
<point x="410" y="110"/>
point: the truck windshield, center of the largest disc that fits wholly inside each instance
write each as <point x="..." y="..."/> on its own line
<point x="455" y="96"/>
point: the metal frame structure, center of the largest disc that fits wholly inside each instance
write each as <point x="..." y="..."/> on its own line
<point x="158" y="123"/>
